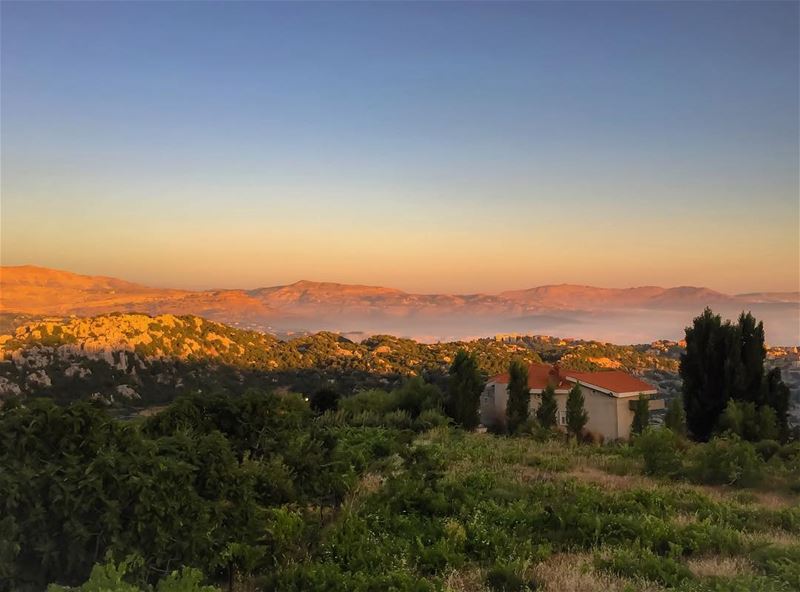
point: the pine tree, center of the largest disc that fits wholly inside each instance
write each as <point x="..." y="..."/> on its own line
<point x="706" y="373"/>
<point x="546" y="413"/>
<point x="464" y="390"/>
<point x="576" y="412"/>
<point x="777" y="396"/>
<point x="725" y="361"/>
<point x="752" y="354"/>
<point x="641" y="415"/>
<point x="675" y="418"/>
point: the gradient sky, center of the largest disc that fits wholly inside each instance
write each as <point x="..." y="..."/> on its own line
<point x="430" y="147"/>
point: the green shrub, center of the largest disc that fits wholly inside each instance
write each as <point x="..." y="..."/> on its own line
<point x="780" y="563"/>
<point x="660" y="449"/>
<point x="374" y="401"/>
<point x="430" y="418"/>
<point x="505" y="578"/>
<point x="748" y="421"/>
<point x="398" y="419"/>
<point x="637" y="562"/>
<point x="726" y="460"/>
<point x="766" y="449"/>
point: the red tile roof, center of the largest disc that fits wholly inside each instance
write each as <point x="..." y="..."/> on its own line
<point x="615" y="381"/>
<point x="539" y="376"/>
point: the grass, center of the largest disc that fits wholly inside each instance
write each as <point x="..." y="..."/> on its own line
<point x="651" y="533"/>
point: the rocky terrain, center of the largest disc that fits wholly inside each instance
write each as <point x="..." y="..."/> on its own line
<point x="141" y="359"/>
<point x="138" y="360"/>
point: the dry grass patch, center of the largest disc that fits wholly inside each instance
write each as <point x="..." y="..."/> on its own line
<point x="772" y="537"/>
<point x="717" y="565"/>
<point x="610" y="481"/>
<point x="468" y="579"/>
<point x="574" y="572"/>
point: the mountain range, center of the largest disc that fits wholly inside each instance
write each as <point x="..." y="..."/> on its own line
<point x="584" y="311"/>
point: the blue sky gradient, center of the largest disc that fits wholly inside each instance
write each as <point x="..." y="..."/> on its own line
<point x="428" y="146"/>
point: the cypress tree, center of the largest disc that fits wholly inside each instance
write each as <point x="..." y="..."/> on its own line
<point x="464" y="389"/>
<point x="518" y="407"/>
<point x="546" y="413"/>
<point x="576" y="412"/>
<point x="641" y="415"/>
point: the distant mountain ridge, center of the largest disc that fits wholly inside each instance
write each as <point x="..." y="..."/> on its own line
<point x="311" y="305"/>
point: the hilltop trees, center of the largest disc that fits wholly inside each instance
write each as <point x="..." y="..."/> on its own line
<point x="464" y="390"/>
<point x="725" y="361"/>
<point x="576" y="412"/>
<point x="546" y="413"/>
<point x="518" y="407"/>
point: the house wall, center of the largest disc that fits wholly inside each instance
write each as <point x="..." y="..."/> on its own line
<point x="603" y="413"/>
<point x="561" y="404"/>
<point x="608" y="415"/>
<point x="625" y="416"/>
<point x="493" y="404"/>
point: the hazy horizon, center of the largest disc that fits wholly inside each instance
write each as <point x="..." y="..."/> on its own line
<point x="212" y="287"/>
<point x="430" y="147"/>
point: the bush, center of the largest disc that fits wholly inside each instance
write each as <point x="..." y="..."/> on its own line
<point x="324" y="400"/>
<point x="748" y="421"/>
<point x="373" y="401"/>
<point x="416" y="396"/>
<point x="429" y="419"/>
<point x="593" y="438"/>
<point x="766" y="449"/>
<point x="726" y="460"/>
<point x="505" y="578"/>
<point x="643" y="563"/>
<point x="660" y="448"/>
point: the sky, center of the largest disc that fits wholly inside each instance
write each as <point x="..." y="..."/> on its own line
<point x="433" y="147"/>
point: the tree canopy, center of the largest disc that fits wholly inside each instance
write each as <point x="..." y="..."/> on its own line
<point x="725" y="361"/>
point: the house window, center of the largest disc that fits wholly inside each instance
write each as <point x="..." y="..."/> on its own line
<point x="562" y="418"/>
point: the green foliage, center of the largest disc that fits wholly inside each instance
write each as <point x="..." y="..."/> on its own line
<point x="546" y="412"/>
<point x="172" y="355"/>
<point x="777" y="396"/>
<point x="726" y="460"/>
<point x="675" y="417"/>
<point x="661" y="450"/>
<point x="416" y="396"/>
<point x="726" y="361"/>
<point x="749" y="422"/>
<point x="109" y="577"/>
<point x="576" y="411"/>
<point x="78" y="484"/>
<point x="464" y="390"/>
<point x="641" y="415"/>
<point x="780" y="563"/>
<point x="642" y="562"/>
<point x="518" y="406"/>
<point x="324" y="399"/>
<point x="258" y="489"/>
<point x="505" y="578"/>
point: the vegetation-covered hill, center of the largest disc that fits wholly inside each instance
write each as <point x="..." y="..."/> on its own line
<point x="139" y="359"/>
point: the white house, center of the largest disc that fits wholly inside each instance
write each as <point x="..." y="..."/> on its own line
<point x="609" y="397"/>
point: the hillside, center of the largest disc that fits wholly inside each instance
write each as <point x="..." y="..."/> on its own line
<point x="141" y="359"/>
<point x="640" y="314"/>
